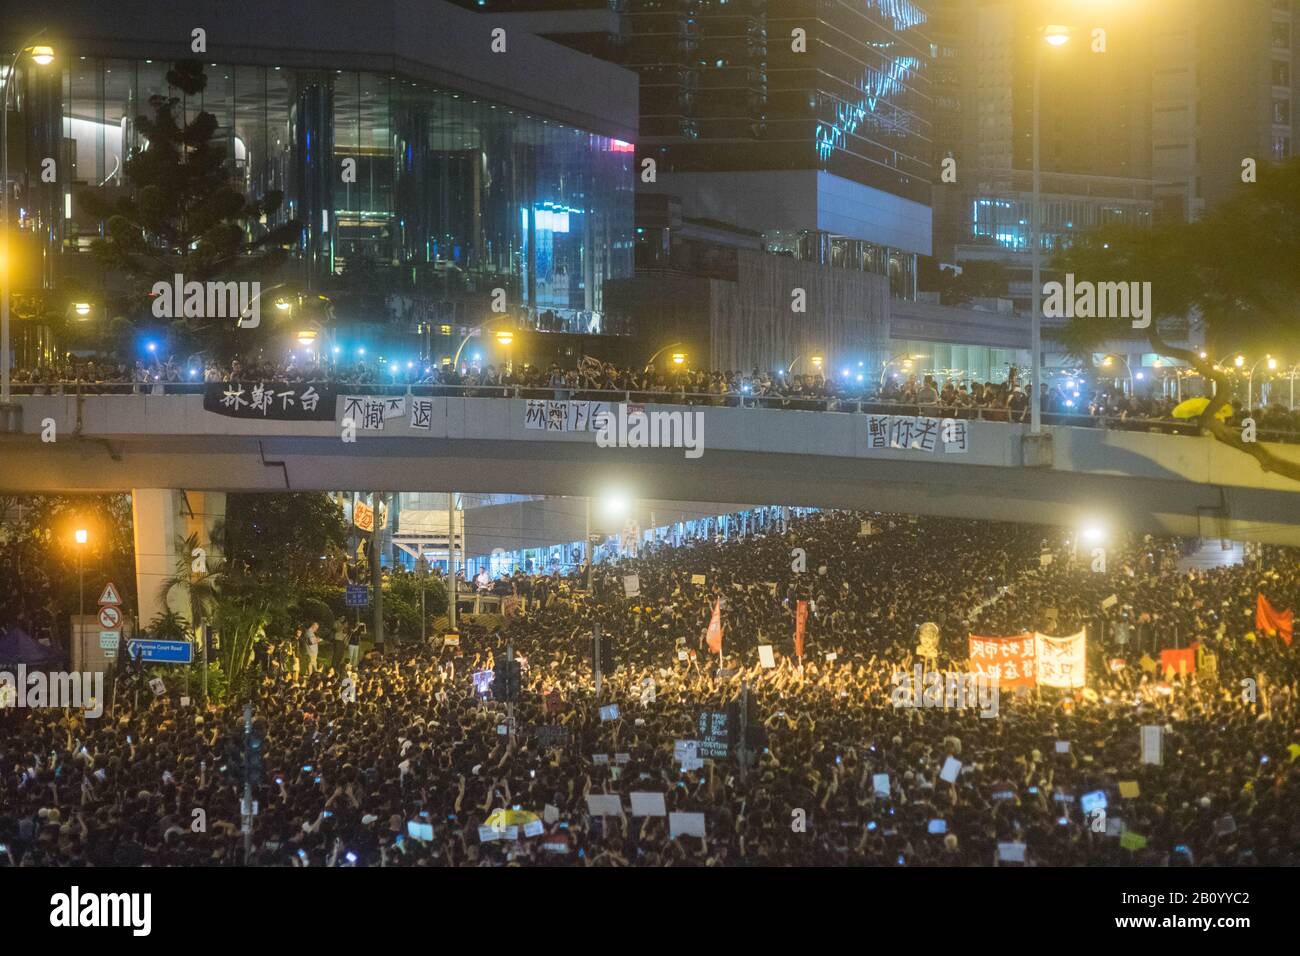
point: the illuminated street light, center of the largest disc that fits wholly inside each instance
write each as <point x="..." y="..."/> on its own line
<point x="81" y="536"/>
<point x="41" y="56"/>
<point x="679" y="358"/>
<point x="82" y="308"/>
<point x="1055" y="35"/>
<point x="505" y="338"/>
<point x="307" y="336"/>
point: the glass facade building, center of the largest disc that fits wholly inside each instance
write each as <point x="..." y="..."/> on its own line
<point x="453" y="192"/>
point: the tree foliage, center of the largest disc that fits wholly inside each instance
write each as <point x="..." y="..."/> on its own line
<point x="183" y="213"/>
<point x="1234" y="270"/>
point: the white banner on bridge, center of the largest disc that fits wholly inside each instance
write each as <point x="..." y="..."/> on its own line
<point x="913" y="433"/>
<point x="567" y="416"/>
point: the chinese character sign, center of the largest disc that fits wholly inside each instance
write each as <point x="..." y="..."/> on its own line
<point x="1062" y="661"/>
<point x="909" y="433"/>
<point x="1008" y="660"/>
<point x="273" y="401"/>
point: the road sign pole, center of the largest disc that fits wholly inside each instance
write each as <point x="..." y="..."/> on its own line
<point x="248" y="786"/>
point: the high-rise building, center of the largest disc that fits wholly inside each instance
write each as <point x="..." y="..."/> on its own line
<point x="470" y="169"/>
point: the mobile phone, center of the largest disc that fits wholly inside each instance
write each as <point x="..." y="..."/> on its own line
<point x="1033" y="789"/>
<point x="4" y="847"/>
<point x="318" y="779"/>
<point x="351" y="857"/>
<point x="839" y="759"/>
<point x="302" y="854"/>
<point x="425" y="814"/>
<point x="307" y="768"/>
<point x="128" y="739"/>
<point x="327" y="813"/>
<point x="1064" y="821"/>
<point x="280" y="781"/>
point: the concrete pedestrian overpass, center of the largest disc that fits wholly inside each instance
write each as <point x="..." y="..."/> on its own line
<point x="1160" y="483"/>
<point x="157" y="446"/>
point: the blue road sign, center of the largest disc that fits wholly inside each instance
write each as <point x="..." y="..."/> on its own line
<point x="358" y="595"/>
<point x="162" y="652"/>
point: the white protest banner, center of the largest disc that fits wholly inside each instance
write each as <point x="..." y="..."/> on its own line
<point x="158" y="687"/>
<point x="951" y="767"/>
<point x="956" y="436"/>
<point x="631" y="585"/>
<point x="604" y="804"/>
<point x="1062" y="746"/>
<point x="880" y="784"/>
<point x="367" y="412"/>
<point x="550" y="813"/>
<point x="685" y="824"/>
<point x="1153" y="744"/>
<point x="765" y="655"/>
<point x="1011" y="852"/>
<point x="698" y="579"/>
<point x="1109" y="602"/>
<point x="687" y="754"/>
<point x="1061" y="661"/>
<point x="422" y="413"/>
<point x="648" y="804"/>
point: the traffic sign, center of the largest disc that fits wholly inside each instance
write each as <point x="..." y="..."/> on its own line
<point x="110" y="617"/>
<point x="109" y="640"/>
<point x="110" y="595"/>
<point x="358" y="595"/>
<point x="162" y="652"/>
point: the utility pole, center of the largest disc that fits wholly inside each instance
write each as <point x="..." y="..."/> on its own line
<point x="510" y="702"/>
<point x="587" y="550"/>
<point x="451" y="560"/>
<point x="742" y="750"/>
<point x="595" y="656"/>
<point x="248" y="786"/>
<point x="376" y="572"/>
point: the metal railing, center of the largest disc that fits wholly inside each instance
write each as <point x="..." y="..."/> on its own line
<point x="840" y="405"/>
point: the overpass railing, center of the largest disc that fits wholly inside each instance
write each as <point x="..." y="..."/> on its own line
<point x="842" y="405"/>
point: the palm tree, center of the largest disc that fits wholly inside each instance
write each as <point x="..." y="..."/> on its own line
<point x="201" y="590"/>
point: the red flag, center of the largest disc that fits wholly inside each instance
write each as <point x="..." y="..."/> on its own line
<point x="1178" y="661"/>
<point x="800" y="624"/>
<point x="714" y="636"/>
<point x="1271" y="621"/>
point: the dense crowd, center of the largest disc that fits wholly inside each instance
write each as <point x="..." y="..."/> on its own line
<point x="1007" y="401"/>
<point x="347" y="773"/>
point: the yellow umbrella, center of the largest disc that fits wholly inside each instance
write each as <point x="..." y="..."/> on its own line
<point x="1194" y="407"/>
<point x="502" y="818"/>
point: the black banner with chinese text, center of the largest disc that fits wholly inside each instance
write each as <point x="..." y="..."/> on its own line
<point x="274" y="401"/>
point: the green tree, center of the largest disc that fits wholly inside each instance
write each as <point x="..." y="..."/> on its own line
<point x="183" y="213"/>
<point x="1234" y="270"/>
<point x="284" y="535"/>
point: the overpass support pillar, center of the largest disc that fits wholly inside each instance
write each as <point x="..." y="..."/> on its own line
<point x="163" y="518"/>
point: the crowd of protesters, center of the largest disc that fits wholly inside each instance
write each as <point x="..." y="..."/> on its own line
<point x="1006" y="401"/>
<point x="353" y="760"/>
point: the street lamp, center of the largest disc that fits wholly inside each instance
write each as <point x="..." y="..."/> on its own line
<point x="1109" y="362"/>
<point x="1250" y="380"/>
<point x="81" y="536"/>
<point x="1291" y="373"/>
<point x="504" y="338"/>
<point x="672" y="345"/>
<point x="41" y="56"/>
<point x="1054" y="35"/>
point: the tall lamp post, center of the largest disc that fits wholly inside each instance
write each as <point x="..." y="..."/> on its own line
<point x="1291" y="373"/>
<point x="1250" y="381"/>
<point x="81" y="536"/>
<point x="1109" y="360"/>
<point x="41" y="56"/>
<point x="1056" y="36"/>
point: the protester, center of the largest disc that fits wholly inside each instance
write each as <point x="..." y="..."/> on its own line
<point x="344" y="776"/>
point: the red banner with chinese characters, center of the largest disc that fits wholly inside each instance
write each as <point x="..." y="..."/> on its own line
<point x="1009" y="660"/>
<point x="800" y="625"/>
